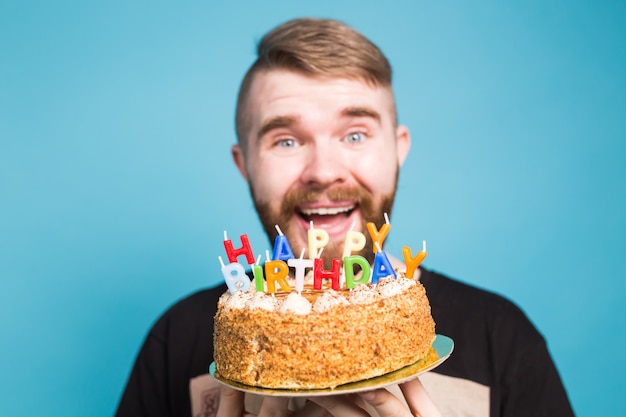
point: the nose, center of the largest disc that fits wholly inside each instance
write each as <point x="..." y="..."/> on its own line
<point x="324" y="166"/>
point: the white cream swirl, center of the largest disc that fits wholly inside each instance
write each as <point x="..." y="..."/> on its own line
<point x="262" y="301"/>
<point x="328" y="300"/>
<point x="388" y="287"/>
<point x="237" y="300"/>
<point x="363" y="294"/>
<point x="295" y="303"/>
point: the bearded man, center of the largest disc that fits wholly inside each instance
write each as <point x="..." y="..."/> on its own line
<point x="319" y="141"/>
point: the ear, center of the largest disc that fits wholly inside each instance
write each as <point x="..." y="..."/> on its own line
<point x="403" y="143"/>
<point x="239" y="160"/>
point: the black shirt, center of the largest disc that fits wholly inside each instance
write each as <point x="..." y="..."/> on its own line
<point x="496" y="346"/>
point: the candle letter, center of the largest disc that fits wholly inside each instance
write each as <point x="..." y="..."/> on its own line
<point x="348" y="268"/>
<point x="378" y="236"/>
<point x="276" y="271"/>
<point x="382" y="267"/>
<point x="235" y="277"/>
<point x="257" y="271"/>
<point x="245" y="250"/>
<point x="355" y="241"/>
<point x="282" y="249"/>
<point x="318" y="238"/>
<point x="413" y="262"/>
<point x="319" y="273"/>
<point x="300" y="265"/>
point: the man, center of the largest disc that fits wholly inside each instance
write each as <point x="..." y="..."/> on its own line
<point x="318" y="140"/>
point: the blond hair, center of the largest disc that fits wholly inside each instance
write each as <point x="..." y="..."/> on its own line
<point x="315" y="47"/>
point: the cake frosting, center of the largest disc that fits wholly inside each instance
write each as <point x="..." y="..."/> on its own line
<point x="322" y="338"/>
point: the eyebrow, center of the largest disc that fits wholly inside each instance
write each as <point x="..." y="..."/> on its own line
<point x="361" y="112"/>
<point x="276" y="123"/>
<point x="287" y="121"/>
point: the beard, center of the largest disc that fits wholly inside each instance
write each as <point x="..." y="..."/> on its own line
<point x="370" y="210"/>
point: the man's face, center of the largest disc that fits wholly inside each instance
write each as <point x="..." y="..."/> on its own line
<point x="324" y="150"/>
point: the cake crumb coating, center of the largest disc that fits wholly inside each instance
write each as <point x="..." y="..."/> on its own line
<point x="347" y="342"/>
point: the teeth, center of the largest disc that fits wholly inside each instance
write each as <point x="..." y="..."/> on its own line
<point x="326" y="211"/>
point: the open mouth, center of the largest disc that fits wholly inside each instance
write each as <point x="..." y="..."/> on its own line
<point x="327" y="211"/>
<point x="328" y="217"/>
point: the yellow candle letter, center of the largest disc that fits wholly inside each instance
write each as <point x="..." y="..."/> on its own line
<point x="411" y="262"/>
<point x="378" y="236"/>
<point x="276" y="271"/>
<point x="318" y="238"/>
<point x="355" y="241"/>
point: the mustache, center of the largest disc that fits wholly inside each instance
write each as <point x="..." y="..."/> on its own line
<point x="298" y="197"/>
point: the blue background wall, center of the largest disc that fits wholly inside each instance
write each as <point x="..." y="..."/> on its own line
<point x="116" y="184"/>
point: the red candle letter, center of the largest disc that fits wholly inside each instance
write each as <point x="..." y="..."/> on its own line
<point x="319" y="273"/>
<point x="245" y="250"/>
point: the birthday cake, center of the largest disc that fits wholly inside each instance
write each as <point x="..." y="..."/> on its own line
<point x="322" y="339"/>
<point x="323" y="329"/>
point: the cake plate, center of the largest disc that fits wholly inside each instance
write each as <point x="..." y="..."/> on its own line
<point x="442" y="348"/>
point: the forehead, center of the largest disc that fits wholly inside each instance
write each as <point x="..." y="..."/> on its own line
<point x="276" y="93"/>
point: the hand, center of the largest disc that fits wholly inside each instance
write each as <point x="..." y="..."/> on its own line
<point x="383" y="402"/>
<point x="232" y="404"/>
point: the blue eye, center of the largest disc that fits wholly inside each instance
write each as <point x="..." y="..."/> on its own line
<point x="355" y="137"/>
<point x="286" y="143"/>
